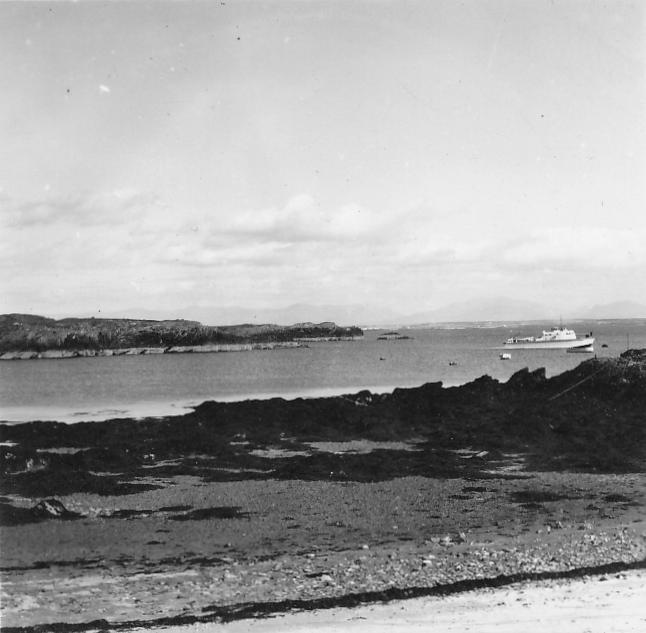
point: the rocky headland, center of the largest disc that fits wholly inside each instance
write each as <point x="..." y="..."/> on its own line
<point x="24" y="337"/>
<point x="249" y="508"/>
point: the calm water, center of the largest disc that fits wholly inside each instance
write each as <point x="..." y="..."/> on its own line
<point x="99" y="388"/>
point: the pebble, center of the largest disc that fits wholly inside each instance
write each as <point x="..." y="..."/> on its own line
<point x="426" y="564"/>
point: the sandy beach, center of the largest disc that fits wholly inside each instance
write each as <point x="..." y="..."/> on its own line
<point x="595" y="604"/>
<point x="322" y="316"/>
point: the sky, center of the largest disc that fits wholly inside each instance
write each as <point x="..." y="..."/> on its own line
<point x="403" y="155"/>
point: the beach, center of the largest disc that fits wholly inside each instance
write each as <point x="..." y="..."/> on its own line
<point x="322" y="316"/>
<point x="239" y="511"/>
<point x="595" y="604"/>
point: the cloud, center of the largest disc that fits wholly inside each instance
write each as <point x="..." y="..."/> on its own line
<point x="70" y="253"/>
<point x="81" y="209"/>
<point x="124" y="247"/>
<point x="581" y="247"/>
<point x="303" y="219"/>
<point x="197" y="253"/>
<point x="104" y="89"/>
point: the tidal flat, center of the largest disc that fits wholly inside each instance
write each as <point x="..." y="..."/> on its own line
<point x="246" y="509"/>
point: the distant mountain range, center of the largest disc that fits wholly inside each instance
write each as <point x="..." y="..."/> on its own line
<point x="477" y="310"/>
<point x="295" y="313"/>
<point x="505" y="309"/>
<point x="616" y="310"/>
<point x="490" y="309"/>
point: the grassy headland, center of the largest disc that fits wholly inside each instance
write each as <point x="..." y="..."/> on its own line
<point x="24" y="333"/>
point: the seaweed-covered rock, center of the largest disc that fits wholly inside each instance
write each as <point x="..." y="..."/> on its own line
<point x="590" y="418"/>
<point x="11" y="515"/>
<point x="52" y="509"/>
<point x="635" y="355"/>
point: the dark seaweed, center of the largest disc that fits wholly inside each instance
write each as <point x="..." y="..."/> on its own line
<point x="223" y="512"/>
<point x="589" y="419"/>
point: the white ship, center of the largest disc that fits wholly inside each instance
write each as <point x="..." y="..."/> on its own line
<point x="556" y="338"/>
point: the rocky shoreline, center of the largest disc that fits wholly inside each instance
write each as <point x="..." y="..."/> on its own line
<point x="244" y="509"/>
<point x="138" y="351"/>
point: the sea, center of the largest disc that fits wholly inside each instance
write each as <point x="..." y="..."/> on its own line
<point x="94" y="389"/>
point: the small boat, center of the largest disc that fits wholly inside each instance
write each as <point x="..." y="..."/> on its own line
<point x="393" y="336"/>
<point x="388" y="336"/>
<point x="505" y="356"/>
<point x="555" y="338"/>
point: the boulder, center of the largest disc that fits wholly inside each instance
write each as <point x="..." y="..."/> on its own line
<point x="52" y="509"/>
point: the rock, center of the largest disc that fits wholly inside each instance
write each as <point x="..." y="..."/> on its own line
<point x="526" y="380"/>
<point x="52" y="509"/>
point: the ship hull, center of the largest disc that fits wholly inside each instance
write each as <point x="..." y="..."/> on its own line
<point x="583" y="348"/>
<point x="584" y="343"/>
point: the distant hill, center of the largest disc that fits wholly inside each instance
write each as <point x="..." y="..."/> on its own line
<point x="489" y="309"/>
<point x="27" y="332"/>
<point x="504" y="309"/>
<point x="497" y="309"/>
<point x="616" y="310"/>
<point x="344" y="315"/>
